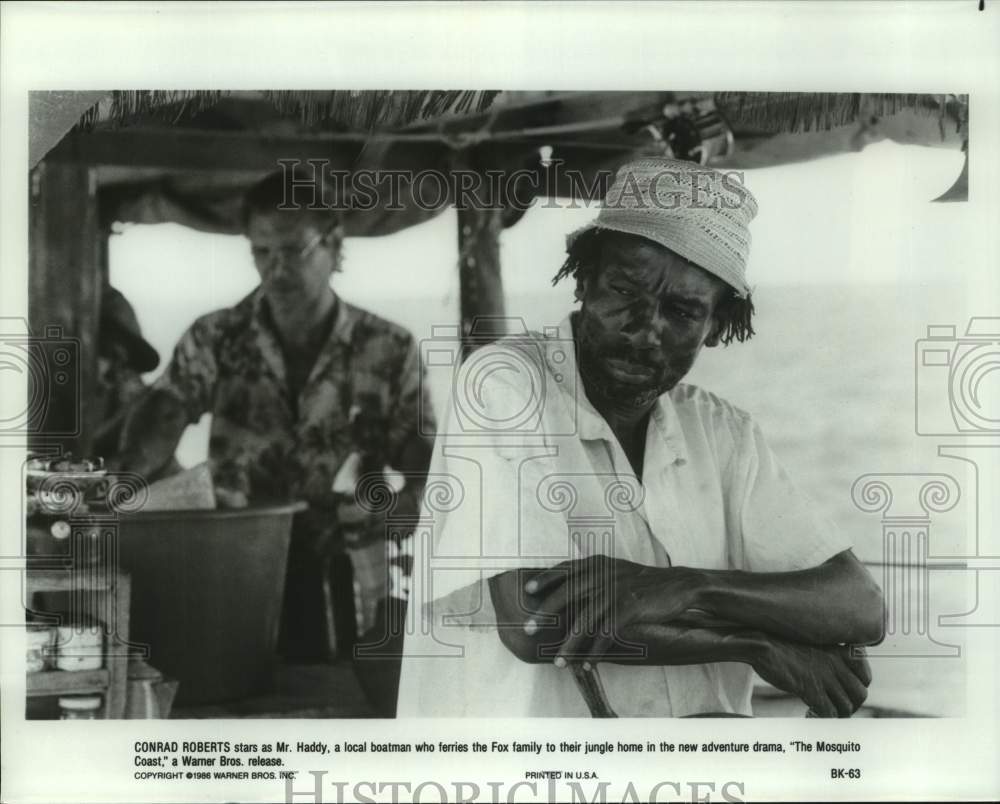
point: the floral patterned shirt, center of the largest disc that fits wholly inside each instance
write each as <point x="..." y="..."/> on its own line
<point x="272" y="446"/>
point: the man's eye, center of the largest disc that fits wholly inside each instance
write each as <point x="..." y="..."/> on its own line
<point x="682" y="312"/>
<point x="265" y="254"/>
<point x="623" y="291"/>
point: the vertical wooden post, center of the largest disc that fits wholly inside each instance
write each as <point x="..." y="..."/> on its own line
<point x="64" y="301"/>
<point x="480" y="282"/>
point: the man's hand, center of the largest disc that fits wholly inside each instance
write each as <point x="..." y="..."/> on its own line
<point x="599" y="597"/>
<point x="830" y="681"/>
<point x="352" y="515"/>
<point x="230" y="498"/>
<point x="358" y="526"/>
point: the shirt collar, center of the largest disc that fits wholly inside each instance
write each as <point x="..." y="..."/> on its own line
<point x="346" y="316"/>
<point x="591" y="425"/>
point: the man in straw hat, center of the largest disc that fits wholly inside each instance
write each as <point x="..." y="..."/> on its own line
<point x="637" y="541"/>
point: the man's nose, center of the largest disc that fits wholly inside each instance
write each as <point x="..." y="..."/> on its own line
<point x="279" y="265"/>
<point x="649" y="328"/>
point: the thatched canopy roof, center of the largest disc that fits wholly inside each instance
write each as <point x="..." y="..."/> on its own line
<point x="333" y="110"/>
<point x="189" y="155"/>
<point x="366" y="112"/>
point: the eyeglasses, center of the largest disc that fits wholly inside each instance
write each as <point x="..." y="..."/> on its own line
<point x="293" y="255"/>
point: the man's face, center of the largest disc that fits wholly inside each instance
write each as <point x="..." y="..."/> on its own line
<point x="645" y="314"/>
<point x="293" y="254"/>
<point x="112" y="362"/>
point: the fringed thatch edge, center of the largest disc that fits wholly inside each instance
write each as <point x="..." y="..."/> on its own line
<point x="793" y="112"/>
<point x="366" y="110"/>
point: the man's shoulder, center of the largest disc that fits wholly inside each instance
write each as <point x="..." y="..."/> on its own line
<point x="224" y="318"/>
<point x="518" y="361"/>
<point x="694" y="404"/>
<point x="533" y="344"/>
<point x="368" y="325"/>
<point x="515" y="379"/>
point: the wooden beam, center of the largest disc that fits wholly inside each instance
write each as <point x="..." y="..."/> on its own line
<point x="480" y="284"/>
<point x="63" y="303"/>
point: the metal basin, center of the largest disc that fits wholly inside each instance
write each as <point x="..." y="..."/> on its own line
<point x="207" y="590"/>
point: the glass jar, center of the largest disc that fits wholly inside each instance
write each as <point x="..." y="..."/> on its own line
<point x="79" y="647"/>
<point x="39" y="648"/>
<point x="80" y="707"/>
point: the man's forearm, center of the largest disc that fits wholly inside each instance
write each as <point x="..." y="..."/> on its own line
<point x="826" y="677"/>
<point x="691" y="639"/>
<point x="829" y="680"/>
<point x="836" y="602"/>
<point x="679" y="644"/>
<point x="639" y="644"/>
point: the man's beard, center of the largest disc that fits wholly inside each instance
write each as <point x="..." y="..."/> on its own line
<point x="594" y="350"/>
<point x="622" y="395"/>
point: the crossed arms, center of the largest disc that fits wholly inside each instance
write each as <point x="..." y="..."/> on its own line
<point x="794" y="628"/>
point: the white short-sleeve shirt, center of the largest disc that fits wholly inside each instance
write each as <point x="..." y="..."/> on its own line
<point x="526" y="473"/>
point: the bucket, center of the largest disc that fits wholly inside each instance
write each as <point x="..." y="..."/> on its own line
<point x="207" y="591"/>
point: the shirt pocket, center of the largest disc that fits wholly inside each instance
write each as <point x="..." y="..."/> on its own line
<point x="687" y="517"/>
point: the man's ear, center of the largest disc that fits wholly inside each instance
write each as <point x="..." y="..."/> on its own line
<point x="714" y="337"/>
<point x="581" y="288"/>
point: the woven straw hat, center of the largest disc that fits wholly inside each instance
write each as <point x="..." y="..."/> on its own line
<point x="699" y="213"/>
